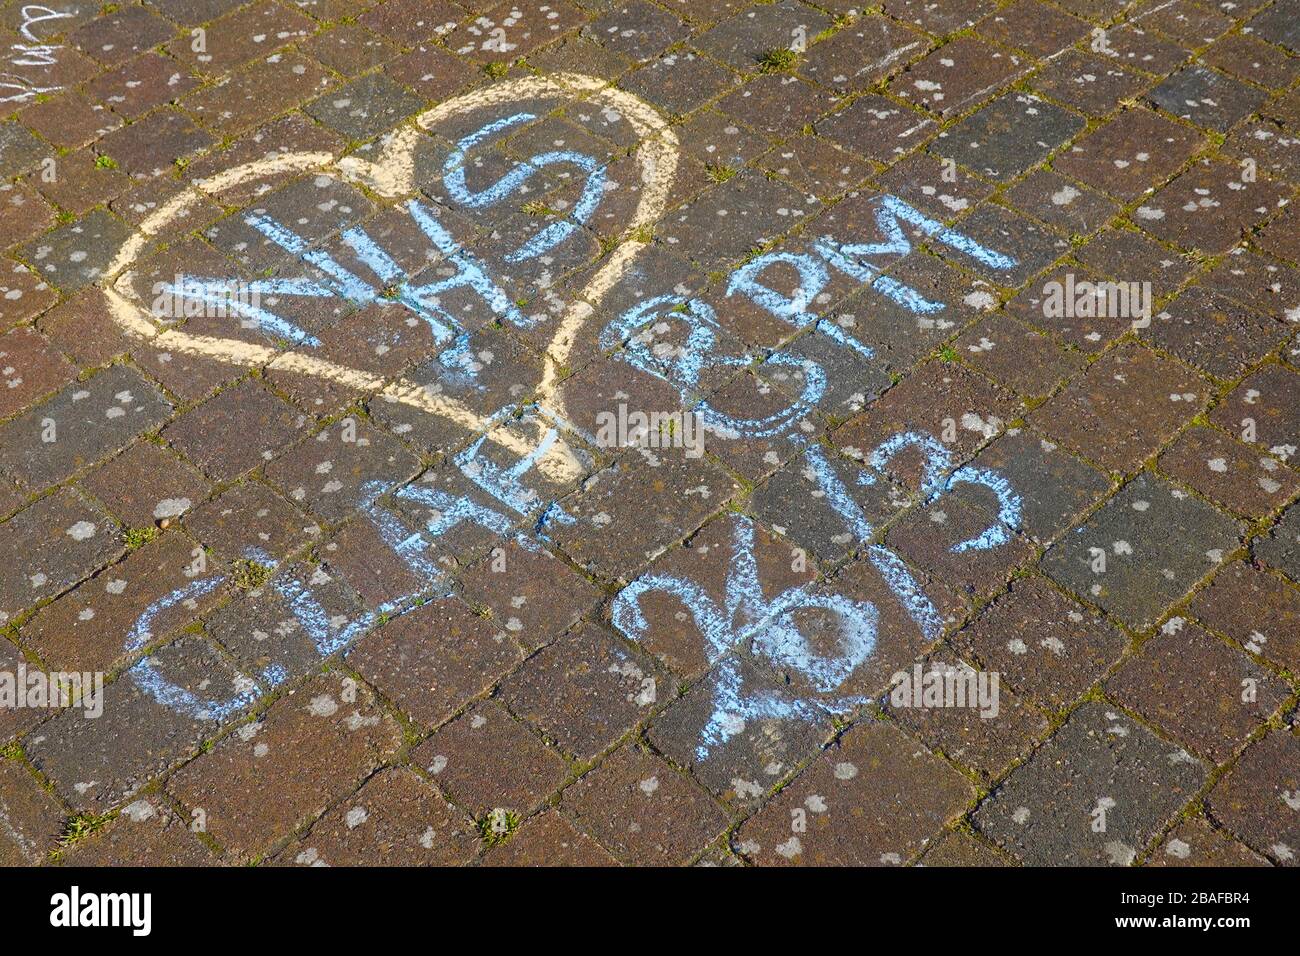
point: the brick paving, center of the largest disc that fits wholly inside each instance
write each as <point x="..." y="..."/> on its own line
<point x="368" y="581"/>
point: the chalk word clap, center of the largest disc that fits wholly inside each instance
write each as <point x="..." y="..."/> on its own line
<point x="517" y="462"/>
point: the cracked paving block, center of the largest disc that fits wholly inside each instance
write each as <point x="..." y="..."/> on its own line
<point x="148" y="832"/>
<point x="531" y="593"/>
<point x="875" y="798"/>
<point x="548" y="840"/>
<point x="1129" y="155"/>
<point x="1229" y="473"/>
<point x="1257" y="799"/>
<point x="628" y="514"/>
<point x="205" y="435"/>
<point x="485" y="759"/>
<point x="84" y="422"/>
<point x="1194" y="842"/>
<point x="1257" y="609"/>
<point x="583" y="691"/>
<point x="146" y="485"/>
<point x="1264" y="410"/>
<point x="1206" y="97"/>
<point x="1197" y="690"/>
<point x="396" y="819"/>
<point x="50" y="546"/>
<point x="31" y="820"/>
<point x="96" y="762"/>
<point x="431" y="661"/>
<point x="957" y="75"/>
<point x="1044" y="645"/>
<point x="1208" y="207"/>
<point x="1123" y="408"/>
<point x="760" y="753"/>
<point x="1143" y="550"/>
<point x="267" y="778"/>
<point x="1095" y="794"/>
<point x="90" y="627"/>
<point x="642" y="810"/>
<point x="1009" y="135"/>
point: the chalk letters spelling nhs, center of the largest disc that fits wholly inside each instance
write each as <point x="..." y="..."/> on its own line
<point x="504" y="499"/>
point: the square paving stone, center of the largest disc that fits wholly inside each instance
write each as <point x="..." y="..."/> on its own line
<point x="396" y="819"/>
<point x="1209" y="208"/>
<point x="680" y="82"/>
<point x="206" y="434"/>
<point x="549" y="840"/>
<point x="1214" y="333"/>
<point x="97" y="762"/>
<point x="758" y="754"/>
<point x="1094" y="85"/>
<point x="33" y="818"/>
<point x="584" y="691"/>
<point x="148" y="832"/>
<point x="89" y="627"/>
<point x="955" y="76"/>
<point x="1154" y="541"/>
<point x="628" y="514"/>
<point x="1280" y="548"/>
<point x="1258" y="609"/>
<point x="486" y="759"/>
<point x="1009" y="135"/>
<point x="984" y="735"/>
<point x="1255" y="800"/>
<point x="642" y="810"/>
<point x="740" y="40"/>
<point x="1129" y="154"/>
<point x="1102" y="769"/>
<point x="50" y="546"/>
<point x="151" y="146"/>
<point x="74" y="255"/>
<point x="1044" y="645"/>
<point x="1132" y="256"/>
<point x="19" y="150"/>
<point x="1194" y="842"/>
<point x="959" y="849"/>
<point x="249" y="517"/>
<point x="638" y="30"/>
<point x="365" y="107"/>
<point x="1034" y="27"/>
<point x="1198" y="690"/>
<point x="1053" y="486"/>
<point x="83" y="423"/>
<point x="875" y="798"/>
<point x="261" y="782"/>
<point x="146" y="484"/>
<point x="1264" y="410"/>
<point x="1061" y="202"/>
<point x="861" y="53"/>
<point x="1125" y="406"/>
<point x="431" y="661"/>
<point x="531" y="593"/>
<point x="1016" y="356"/>
<point x="1229" y="473"/>
<point x="1206" y="97"/>
<point x="876" y="127"/>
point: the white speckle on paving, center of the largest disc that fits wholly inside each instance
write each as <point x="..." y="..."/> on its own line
<point x="139" y="811"/>
<point x="1119" y="853"/>
<point x="81" y="531"/>
<point x="171" y="507"/>
<point x="790" y="848"/>
<point x="1020" y="815"/>
<point x="355" y="817"/>
<point x="1178" y="849"/>
<point x="649" y="785"/>
<point x="845" y="770"/>
<point x="323" y="706"/>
